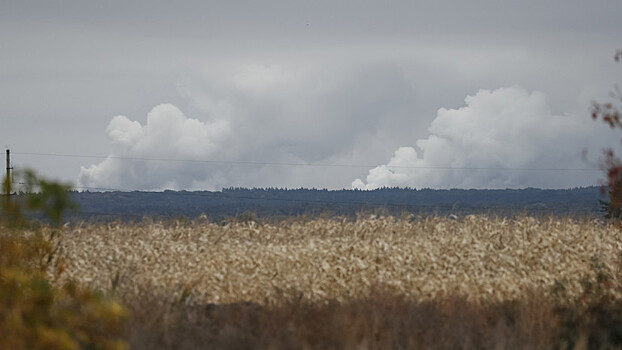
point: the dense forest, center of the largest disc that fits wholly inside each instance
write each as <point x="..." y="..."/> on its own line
<point x="263" y="202"/>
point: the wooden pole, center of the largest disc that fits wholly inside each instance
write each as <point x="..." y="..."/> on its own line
<point x="8" y="163"/>
<point x="7" y="184"/>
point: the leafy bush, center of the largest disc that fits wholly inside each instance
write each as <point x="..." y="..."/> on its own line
<point x="609" y="113"/>
<point x="594" y="319"/>
<point x="34" y="313"/>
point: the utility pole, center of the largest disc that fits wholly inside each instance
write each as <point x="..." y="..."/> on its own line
<point x="7" y="184"/>
<point x="8" y="163"/>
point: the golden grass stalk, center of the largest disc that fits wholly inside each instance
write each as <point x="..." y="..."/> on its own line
<point x="478" y="257"/>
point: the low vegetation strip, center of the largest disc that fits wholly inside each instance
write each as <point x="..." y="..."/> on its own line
<point x="476" y="257"/>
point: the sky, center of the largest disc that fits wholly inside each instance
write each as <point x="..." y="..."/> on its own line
<point x="194" y="95"/>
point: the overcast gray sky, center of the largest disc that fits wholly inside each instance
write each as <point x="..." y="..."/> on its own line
<point x="413" y="93"/>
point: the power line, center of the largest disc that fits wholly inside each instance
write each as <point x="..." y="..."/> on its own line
<point x="215" y="161"/>
<point x="222" y="195"/>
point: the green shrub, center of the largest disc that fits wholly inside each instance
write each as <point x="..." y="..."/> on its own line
<point x="35" y="313"/>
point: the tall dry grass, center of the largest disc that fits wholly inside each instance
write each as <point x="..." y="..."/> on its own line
<point x="370" y="283"/>
<point x="477" y="257"/>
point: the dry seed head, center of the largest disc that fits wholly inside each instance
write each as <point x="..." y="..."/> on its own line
<point x="480" y="257"/>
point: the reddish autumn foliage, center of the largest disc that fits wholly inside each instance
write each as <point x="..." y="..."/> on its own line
<point x="609" y="113"/>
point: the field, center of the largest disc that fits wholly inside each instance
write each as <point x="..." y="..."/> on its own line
<point x="371" y="282"/>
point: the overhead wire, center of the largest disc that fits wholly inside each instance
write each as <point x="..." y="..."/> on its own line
<point x="324" y="202"/>
<point x="341" y="165"/>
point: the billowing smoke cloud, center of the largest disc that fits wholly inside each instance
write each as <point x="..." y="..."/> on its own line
<point x="500" y="139"/>
<point x="255" y="117"/>
<point x="495" y="141"/>
<point x="168" y="134"/>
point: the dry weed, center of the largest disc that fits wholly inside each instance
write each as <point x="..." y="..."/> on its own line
<point x="477" y="257"/>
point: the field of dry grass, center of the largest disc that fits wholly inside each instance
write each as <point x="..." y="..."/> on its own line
<point x="476" y="257"/>
<point x="370" y="283"/>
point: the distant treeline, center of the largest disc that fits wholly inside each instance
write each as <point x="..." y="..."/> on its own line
<point x="273" y="202"/>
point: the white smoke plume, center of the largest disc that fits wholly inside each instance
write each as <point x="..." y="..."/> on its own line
<point x="169" y="134"/>
<point x="254" y="118"/>
<point x="496" y="141"/>
<point x="469" y="147"/>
